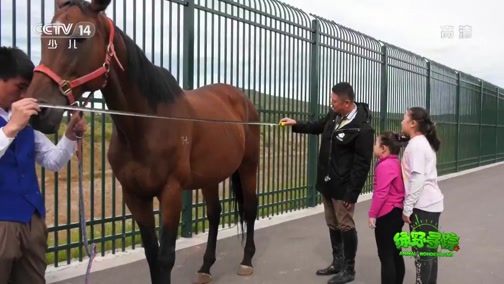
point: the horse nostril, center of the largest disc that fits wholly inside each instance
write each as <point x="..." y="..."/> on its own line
<point x="43" y="112"/>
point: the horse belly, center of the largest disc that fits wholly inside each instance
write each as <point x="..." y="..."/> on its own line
<point x="211" y="163"/>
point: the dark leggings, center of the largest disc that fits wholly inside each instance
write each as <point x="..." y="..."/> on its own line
<point x="426" y="266"/>
<point x="392" y="264"/>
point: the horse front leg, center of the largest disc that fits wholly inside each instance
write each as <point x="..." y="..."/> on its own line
<point x="171" y="205"/>
<point x="214" y="208"/>
<point x="141" y="209"/>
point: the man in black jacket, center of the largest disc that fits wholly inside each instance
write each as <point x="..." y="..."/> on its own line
<point x="343" y="166"/>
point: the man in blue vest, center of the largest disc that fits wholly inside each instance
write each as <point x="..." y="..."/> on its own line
<point x="23" y="232"/>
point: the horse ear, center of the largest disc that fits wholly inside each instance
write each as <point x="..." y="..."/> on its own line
<point x="61" y="3"/>
<point x="100" y="5"/>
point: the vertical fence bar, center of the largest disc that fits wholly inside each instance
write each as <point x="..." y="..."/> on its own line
<point x="384" y="89"/>
<point x="29" y="28"/>
<point x="314" y="94"/>
<point x="497" y="126"/>
<point x="428" y="87"/>
<point x="14" y="21"/>
<point x="480" y="142"/>
<point x="188" y="84"/>
<point x="457" y="131"/>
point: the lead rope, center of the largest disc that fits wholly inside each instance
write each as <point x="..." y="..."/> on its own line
<point x="90" y="250"/>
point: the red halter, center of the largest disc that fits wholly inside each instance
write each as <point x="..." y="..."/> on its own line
<point x="66" y="86"/>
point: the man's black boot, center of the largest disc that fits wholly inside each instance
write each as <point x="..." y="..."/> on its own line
<point x="337" y="251"/>
<point x="347" y="274"/>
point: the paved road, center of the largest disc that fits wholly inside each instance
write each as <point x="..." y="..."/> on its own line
<point x="292" y="251"/>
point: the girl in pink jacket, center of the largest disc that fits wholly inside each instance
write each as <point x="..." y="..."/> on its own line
<point x="385" y="213"/>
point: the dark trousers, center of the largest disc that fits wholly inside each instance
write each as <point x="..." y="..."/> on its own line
<point x="392" y="263"/>
<point x="426" y="266"/>
<point x="22" y="251"/>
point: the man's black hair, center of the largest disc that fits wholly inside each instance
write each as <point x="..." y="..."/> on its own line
<point x="15" y="63"/>
<point x="344" y="90"/>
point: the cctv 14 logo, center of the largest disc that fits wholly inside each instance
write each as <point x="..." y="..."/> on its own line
<point x="65" y="30"/>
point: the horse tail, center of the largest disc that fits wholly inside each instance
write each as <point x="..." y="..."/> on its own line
<point x="237" y="189"/>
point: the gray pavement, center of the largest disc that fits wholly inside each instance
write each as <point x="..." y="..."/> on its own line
<point x="292" y="251"/>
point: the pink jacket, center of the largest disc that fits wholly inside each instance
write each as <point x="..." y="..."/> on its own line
<point x="388" y="187"/>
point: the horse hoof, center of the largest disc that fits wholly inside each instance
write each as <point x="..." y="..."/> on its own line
<point x="202" y="278"/>
<point x="245" y="270"/>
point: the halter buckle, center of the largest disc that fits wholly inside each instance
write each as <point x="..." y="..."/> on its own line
<point x="106" y="65"/>
<point x="65" y="88"/>
<point x="110" y="51"/>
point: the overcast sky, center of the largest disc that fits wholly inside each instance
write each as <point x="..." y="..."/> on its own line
<point x="416" y="26"/>
<point x="279" y="65"/>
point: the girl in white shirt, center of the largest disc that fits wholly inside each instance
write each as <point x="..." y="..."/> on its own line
<point x="423" y="201"/>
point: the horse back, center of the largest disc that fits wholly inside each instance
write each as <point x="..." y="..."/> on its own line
<point x="222" y="102"/>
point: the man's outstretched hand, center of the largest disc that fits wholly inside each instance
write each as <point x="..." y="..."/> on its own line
<point x="287" y="121"/>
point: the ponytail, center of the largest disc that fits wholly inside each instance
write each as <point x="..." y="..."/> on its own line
<point x="393" y="141"/>
<point x="426" y="126"/>
<point x="431" y="135"/>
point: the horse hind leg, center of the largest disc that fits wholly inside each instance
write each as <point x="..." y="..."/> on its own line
<point x="211" y="196"/>
<point x="141" y="210"/>
<point x="244" y="185"/>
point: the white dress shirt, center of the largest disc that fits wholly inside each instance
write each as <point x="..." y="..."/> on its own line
<point x="50" y="156"/>
<point x="348" y="118"/>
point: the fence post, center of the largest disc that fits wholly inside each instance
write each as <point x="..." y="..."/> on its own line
<point x="480" y="124"/>
<point x="384" y="88"/>
<point x="428" y="87"/>
<point x="188" y="84"/>
<point x="497" y="127"/>
<point x="314" y="112"/>
<point x="457" y="131"/>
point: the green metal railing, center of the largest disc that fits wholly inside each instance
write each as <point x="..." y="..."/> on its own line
<point x="287" y="61"/>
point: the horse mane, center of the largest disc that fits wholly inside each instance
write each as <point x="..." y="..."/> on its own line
<point x="155" y="83"/>
<point x="81" y="4"/>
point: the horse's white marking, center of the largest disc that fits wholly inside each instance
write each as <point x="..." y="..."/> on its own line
<point x="185" y="140"/>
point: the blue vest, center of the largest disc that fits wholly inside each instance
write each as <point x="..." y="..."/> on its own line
<point x="20" y="195"/>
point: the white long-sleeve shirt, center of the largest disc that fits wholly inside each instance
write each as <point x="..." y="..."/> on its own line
<point x="50" y="156"/>
<point x="420" y="177"/>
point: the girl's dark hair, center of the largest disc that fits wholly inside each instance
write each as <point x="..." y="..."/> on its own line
<point x="426" y="126"/>
<point x="393" y="141"/>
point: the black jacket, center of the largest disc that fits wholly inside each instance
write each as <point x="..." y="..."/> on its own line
<point x="345" y="154"/>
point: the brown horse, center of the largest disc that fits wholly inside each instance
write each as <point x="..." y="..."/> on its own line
<point x="155" y="157"/>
